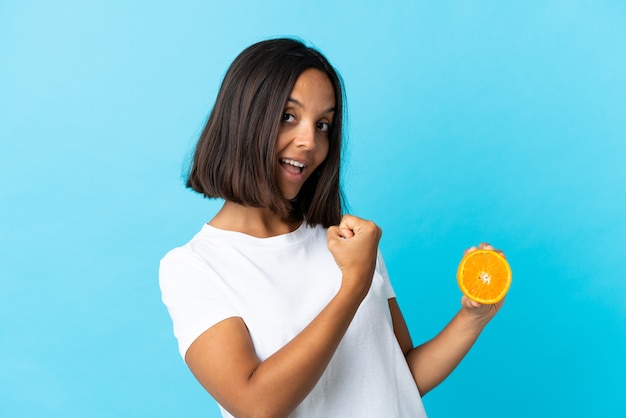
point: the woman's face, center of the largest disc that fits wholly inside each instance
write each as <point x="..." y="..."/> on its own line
<point x="302" y="143"/>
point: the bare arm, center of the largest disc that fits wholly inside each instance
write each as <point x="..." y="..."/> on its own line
<point x="224" y="361"/>
<point x="433" y="361"/>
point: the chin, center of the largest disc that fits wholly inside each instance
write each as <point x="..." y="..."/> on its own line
<point x="290" y="194"/>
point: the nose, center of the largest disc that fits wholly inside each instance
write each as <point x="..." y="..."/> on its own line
<point x="305" y="137"/>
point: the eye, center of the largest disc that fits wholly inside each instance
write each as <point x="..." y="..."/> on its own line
<point x="287" y="117"/>
<point x="323" y="126"/>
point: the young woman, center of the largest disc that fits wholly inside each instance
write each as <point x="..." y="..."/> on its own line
<point x="282" y="305"/>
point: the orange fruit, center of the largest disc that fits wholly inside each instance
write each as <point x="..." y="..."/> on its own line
<point x="484" y="276"/>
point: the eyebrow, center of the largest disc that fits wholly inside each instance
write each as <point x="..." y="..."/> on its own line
<point x="297" y="103"/>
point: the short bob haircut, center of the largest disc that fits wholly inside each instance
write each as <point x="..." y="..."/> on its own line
<point x="235" y="157"/>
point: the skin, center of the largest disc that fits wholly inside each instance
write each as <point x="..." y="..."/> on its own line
<point x="303" y="134"/>
<point x="302" y="137"/>
<point x="223" y="358"/>
<point x="433" y="361"/>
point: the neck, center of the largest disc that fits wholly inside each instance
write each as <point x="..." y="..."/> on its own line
<point x="258" y="222"/>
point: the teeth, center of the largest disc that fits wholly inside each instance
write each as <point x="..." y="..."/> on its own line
<point x="292" y="162"/>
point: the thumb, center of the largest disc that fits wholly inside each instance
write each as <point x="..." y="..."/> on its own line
<point x="347" y="226"/>
<point x="339" y="232"/>
<point x="470" y="303"/>
<point x="346" y="232"/>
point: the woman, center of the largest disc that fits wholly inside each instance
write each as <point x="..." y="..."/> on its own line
<point x="282" y="305"/>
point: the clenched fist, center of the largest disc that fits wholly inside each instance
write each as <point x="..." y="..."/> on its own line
<point x="354" y="245"/>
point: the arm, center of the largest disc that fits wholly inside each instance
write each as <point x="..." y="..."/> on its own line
<point x="433" y="361"/>
<point x="224" y="361"/>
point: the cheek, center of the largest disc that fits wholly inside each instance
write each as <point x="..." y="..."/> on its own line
<point x="281" y="139"/>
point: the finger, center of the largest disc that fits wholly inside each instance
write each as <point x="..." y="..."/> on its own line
<point x="487" y="246"/>
<point x="469" y="250"/>
<point x="352" y="225"/>
<point x="474" y="304"/>
<point x="333" y="232"/>
<point x="468" y="303"/>
<point x="347" y="226"/>
<point x="348" y="222"/>
<point x="346" y="232"/>
<point x="340" y="231"/>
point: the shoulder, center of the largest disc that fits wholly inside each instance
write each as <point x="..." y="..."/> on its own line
<point x="184" y="261"/>
<point x="192" y="253"/>
<point x="180" y="268"/>
<point x="184" y="256"/>
<point x="180" y="255"/>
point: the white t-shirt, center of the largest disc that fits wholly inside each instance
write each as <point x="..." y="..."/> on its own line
<point x="278" y="285"/>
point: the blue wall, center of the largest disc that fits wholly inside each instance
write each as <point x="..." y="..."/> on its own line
<point x="469" y="121"/>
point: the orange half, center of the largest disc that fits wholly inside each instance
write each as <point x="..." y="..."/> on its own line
<point x="484" y="276"/>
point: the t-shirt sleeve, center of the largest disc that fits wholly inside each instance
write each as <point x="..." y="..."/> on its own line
<point x="381" y="269"/>
<point x="192" y="295"/>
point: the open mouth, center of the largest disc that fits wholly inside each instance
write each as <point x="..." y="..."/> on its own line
<point x="292" y="166"/>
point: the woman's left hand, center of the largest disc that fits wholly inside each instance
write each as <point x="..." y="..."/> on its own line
<point x="479" y="310"/>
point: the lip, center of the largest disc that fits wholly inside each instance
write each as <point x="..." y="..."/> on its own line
<point x="289" y="174"/>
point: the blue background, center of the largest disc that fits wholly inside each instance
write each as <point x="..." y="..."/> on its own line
<point x="469" y="121"/>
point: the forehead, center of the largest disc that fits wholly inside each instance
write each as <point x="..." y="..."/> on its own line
<point x="314" y="85"/>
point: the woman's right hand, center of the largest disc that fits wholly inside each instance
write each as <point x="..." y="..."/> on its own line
<point x="354" y="245"/>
